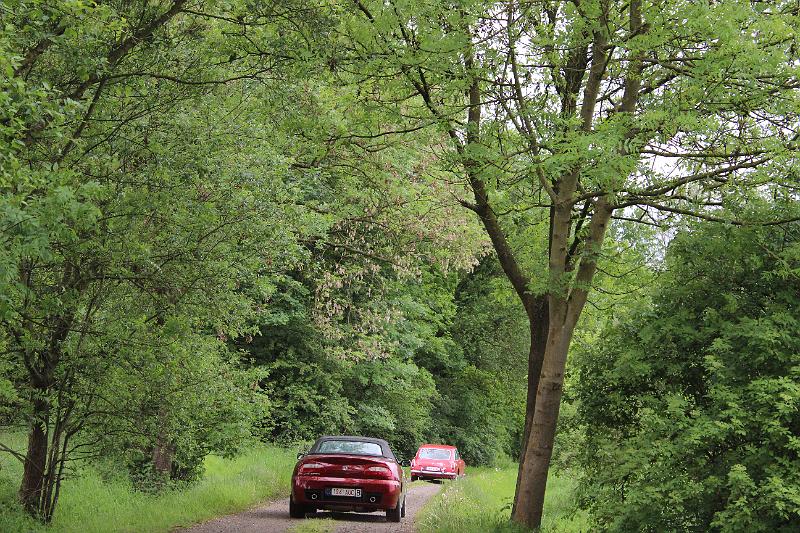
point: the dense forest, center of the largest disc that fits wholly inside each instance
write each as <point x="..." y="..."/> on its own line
<point x="561" y="232"/>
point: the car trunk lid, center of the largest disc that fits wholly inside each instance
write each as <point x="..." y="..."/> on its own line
<point x="349" y="466"/>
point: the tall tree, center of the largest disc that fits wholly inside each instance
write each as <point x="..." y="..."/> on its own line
<point x="124" y="204"/>
<point x="581" y="114"/>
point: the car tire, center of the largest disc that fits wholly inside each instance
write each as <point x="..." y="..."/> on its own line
<point x="296" y="510"/>
<point x="403" y="511"/>
<point x="394" y="515"/>
<point x="414" y="478"/>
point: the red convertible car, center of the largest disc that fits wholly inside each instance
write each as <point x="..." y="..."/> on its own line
<point x="437" y="461"/>
<point x="357" y="474"/>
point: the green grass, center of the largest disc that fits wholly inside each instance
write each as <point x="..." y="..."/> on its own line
<point x="481" y="502"/>
<point x="315" y="525"/>
<point x="89" y="503"/>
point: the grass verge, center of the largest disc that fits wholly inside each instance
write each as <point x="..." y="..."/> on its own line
<point x="90" y="503"/>
<point x="481" y="502"/>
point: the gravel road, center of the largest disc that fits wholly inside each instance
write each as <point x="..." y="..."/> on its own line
<point x="274" y="517"/>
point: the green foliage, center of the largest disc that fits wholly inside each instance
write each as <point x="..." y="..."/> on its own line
<point x="483" y="399"/>
<point x="135" y="207"/>
<point x="482" y="414"/>
<point x="191" y="401"/>
<point x="172" y="193"/>
<point x="454" y="372"/>
<point x="226" y="218"/>
<point x="690" y="405"/>
<point x="314" y="391"/>
<point x="393" y="398"/>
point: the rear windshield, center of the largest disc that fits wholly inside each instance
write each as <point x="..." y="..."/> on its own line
<point x="350" y="447"/>
<point x="434" y="453"/>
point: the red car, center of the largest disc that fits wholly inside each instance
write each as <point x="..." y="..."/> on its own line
<point x="357" y="474"/>
<point x="437" y="461"/>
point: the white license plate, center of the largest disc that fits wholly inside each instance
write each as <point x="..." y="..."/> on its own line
<point x="432" y="468"/>
<point x="353" y="493"/>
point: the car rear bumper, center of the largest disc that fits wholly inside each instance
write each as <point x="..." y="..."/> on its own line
<point x="426" y="474"/>
<point x="376" y="494"/>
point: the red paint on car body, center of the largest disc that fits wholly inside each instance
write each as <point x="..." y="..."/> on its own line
<point x="360" y="482"/>
<point x="437" y="461"/>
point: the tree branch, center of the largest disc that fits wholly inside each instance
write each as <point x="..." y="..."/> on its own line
<point x="13" y="452"/>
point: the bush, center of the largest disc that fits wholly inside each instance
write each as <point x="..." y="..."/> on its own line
<point x="692" y="405"/>
<point x="181" y="406"/>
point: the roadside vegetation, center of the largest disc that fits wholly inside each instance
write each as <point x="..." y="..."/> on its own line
<point x="698" y="421"/>
<point x="481" y="502"/>
<point x="96" y="501"/>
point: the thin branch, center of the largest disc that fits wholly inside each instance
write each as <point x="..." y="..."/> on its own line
<point x="712" y="218"/>
<point x="41" y="47"/>
<point x="13" y="452"/>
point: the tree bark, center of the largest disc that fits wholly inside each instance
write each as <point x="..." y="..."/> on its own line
<point x="538" y="320"/>
<point x="163" y="452"/>
<point x="536" y="462"/>
<point x="36" y="485"/>
<point x="32" y="485"/>
<point x="163" y="448"/>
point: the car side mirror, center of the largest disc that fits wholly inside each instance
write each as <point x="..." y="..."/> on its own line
<point x="405" y="462"/>
<point x="300" y="455"/>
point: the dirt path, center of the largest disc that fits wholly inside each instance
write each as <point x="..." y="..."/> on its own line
<point x="274" y="517"/>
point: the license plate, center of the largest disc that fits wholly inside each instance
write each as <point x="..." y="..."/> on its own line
<point x="352" y="493"/>
<point x="432" y="468"/>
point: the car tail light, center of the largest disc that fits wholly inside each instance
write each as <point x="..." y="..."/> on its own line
<point x="380" y="472"/>
<point x="310" y="469"/>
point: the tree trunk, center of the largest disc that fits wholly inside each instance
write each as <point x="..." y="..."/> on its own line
<point x="36" y="487"/>
<point x="163" y="450"/>
<point x="563" y="312"/>
<point x="538" y="320"/>
<point x="536" y="462"/>
<point x="162" y="456"/>
<point x="30" y="491"/>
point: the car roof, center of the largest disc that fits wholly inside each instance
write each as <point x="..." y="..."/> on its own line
<point x="386" y="450"/>
<point x="442" y="446"/>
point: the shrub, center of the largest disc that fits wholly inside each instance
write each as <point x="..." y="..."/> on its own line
<point x="692" y="405"/>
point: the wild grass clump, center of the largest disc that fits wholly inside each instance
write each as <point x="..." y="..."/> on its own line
<point x="315" y="525"/>
<point x="481" y="502"/>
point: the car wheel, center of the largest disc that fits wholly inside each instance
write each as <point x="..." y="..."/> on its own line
<point x="414" y="478"/>
<point x="394" y="515"/>
<point x="403" y="511"/>
<point x="296" y="510"/>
